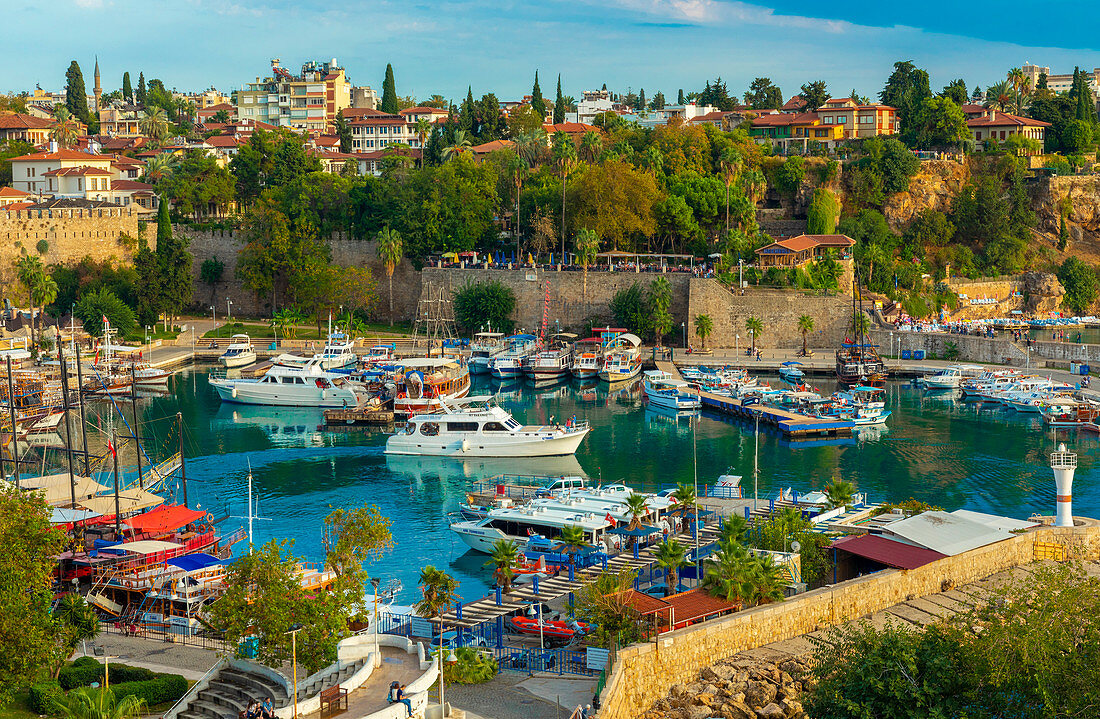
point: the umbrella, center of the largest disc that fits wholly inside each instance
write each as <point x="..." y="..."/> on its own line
<point x="791" y="364"/>
<point x="449" y="255"/>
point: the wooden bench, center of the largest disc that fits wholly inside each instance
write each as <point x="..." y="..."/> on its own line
<point x="334" y="700"/>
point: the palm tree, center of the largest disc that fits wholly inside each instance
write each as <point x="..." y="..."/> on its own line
<point x="518" y="169"/>
<point x="423" y="129"/>
<point x="704" y="326"/>
<point x="755" y="184"/>
<point x="805" y="326"/>
<point x="572" y="539"/>
<point x="1016" y="79"/>
<point x="44" y="293"/>
<point x="155" y="123"/>
<point x="670" y="556"/>
<point x="531" y="146"/>
<point x="764" y="583"/>
<point x="637" y="508"/>
<point x="438" y="592"/>
<point x="685" y="495"/>
<point x="160" y="166"/>
<point x="565" y="156"/>
<point x="459" y="145"/>
<point x="284" y="322"/>
<point x="734" y="529"/>
<point x="838" y="493"/>
<point x="64" y="130"/>
<point x="585" y="246"/>
<point x="756" y="328"/>
<point x="503" y="561"/>
<point x="390" y="250"/>
<point x="731" y="166"/>
<point x="591" y="144"/>
<point x="652" y="160"/>
<point x="998" y="97"/>
<point x="85" y="703"/>
<point x="726" y="571"/>
<point x="29" y="270"/>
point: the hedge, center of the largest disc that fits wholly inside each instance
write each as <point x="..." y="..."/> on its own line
<point x="86" y="670"/>
<point x="44" y="697"/>
<point x="165" y="688"/>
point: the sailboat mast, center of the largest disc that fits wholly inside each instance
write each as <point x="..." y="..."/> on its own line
<point x="68" y="427"/>
<point x="80" y="407"/>
<point x="136" y="431"/>
<point x="183" y="462"/>
<point x="11" y="412"/>
<point x="249" y="508"/>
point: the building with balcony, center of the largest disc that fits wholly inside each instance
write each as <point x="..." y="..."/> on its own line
<point x="309" y="101"/>
<point x="992" y="128"/>
<point x="859" y="121"/>
<point x="120" y="120"/>
<point x="26" y="128"/>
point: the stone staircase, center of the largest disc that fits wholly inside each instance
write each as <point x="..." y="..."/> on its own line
<point x="319" y="684"/>
<point x="229" y="692"/>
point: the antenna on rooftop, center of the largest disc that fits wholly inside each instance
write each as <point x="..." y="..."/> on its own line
<point x="1064" y="465"/>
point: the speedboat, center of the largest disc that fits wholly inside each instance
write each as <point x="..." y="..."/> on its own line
<point x="486" y="345"/>
<point x="488" y="431"/>
<point x="554" y="361"/>
<point x="239" y="352"/>
<point x="338" y="352"/>
<point x="790" y="372"/>
<point x="520" y="523"/>
<point x="951" y="377"/>
<point x="308" y="386"/>
<point x="662" y="390"/>
<point x="624" y="359"/>
<point x="509" y="364"/>
<point x="549" y="629"/>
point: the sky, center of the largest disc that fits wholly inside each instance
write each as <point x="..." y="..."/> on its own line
<point x="497" y="45"/>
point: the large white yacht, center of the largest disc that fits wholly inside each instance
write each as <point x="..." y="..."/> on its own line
<point x="519" y="523"/>
<point x="486" y="345"/>
<point x="239" y="352"/>
<point x="308" y="386"/>
<point x="485" y="431"/>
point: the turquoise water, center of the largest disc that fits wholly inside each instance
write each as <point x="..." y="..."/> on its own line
<point x="950" y="453"/>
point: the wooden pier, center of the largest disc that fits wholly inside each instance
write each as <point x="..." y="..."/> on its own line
<point x="362" y="415"/>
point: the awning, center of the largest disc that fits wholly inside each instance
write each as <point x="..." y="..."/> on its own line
<point x="57" y="489"/>
<point x="65" y="516"/>
<point x="191" y="562"/>
<point x="643" y="531"/>
<point x="146" y="546"/>
<point x="164" y="518"/>
<point x="679" y="608"/>
<point x="129" y="500"/>
<point x="887" y="551"/>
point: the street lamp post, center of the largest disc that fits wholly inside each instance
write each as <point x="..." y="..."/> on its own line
<point x="684" y="327"/>
<point x="531" y="613"/>
<point x="740" y="273"/>
<point x="294" y="663"/>
<point x="756" y="464"/>
<point x="375" y="581"/>
<point x="228" y="305"/>
<point x="214" y="311"/>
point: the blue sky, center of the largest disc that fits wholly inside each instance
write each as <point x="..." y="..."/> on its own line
<point x="496" y="45"/>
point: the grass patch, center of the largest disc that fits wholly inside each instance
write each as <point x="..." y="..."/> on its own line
<point x="17" y="708"/>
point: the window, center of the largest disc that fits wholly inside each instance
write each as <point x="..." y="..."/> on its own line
<point x="842" y="119"/>
<point x="429" y="429"/>
<point x="512" y="424"/>
<point x="828" y="120"/>
<point x="493" y="427"/>
<point x="866" y="119"/>
<point x="462" y="426"/>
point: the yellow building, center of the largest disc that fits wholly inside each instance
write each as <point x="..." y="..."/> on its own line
<point x="310" y="101"/>
<point x="858" y="121"/>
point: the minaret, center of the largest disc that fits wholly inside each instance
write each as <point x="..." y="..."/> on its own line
<point x="98" y="92"/>
<point x="1064" y="464"/>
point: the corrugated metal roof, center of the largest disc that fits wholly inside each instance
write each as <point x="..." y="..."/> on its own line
<point x="887" y="551"/>
<point x="943" y="532"/>
<point x="1006" y="524"/>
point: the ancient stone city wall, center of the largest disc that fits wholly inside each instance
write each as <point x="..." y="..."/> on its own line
<point x="643" y="673"/>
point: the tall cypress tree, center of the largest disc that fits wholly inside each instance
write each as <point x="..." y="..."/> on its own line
<point x="389" y="93"/>
<point x="640" y="107"/>
<point x="536" y="96"/>
<point x="127" y="89"/>
<point x="680" y="97"/>
<point x="559" y="104"/>
<point x="466" y="117"/>
<point x="76" y="96"/>
<point x="174" y="262"/>
<point x="141" y="89"/>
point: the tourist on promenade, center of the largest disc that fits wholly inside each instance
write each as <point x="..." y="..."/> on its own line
<point x="267" y="710"/>
<point x="397" y="695"/>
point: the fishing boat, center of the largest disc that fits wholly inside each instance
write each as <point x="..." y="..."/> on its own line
<point x="308" y="386"/>
<point x="949" y="378"/>
<point x="553" y="362"/>
<point x="663" y="390"/>
<point x="239" y="352"/>
<point x="588" y="356"/>
<point x="484" y="347"/>
<point x="1075" y="414"/>
<point x="790" y="372"/>
<point x="623" y="360"/>
<point x="423" y="384"/>
<point x="509" y="363"/>
<point x="486" y="431"/>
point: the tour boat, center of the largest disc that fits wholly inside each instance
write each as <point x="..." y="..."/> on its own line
<point x="790" y="372"/>
<point x="425" y="383"/>
<point x="283" y="386"/>
<point x="623" y="360"/>
<point x="239" y="352"/>
<point x="380" y="354"/>
<point x="662" y="390"/>
<point x="485" y="346"/>
<point x="951" y="377"/>
<point x="553" y="362"/>
<point x="859" y="364"/>
<point x="509" y="364"/>
<point x="1074" y="414"/>
<point x="520" y="523"/>
<point x="487" y="431"/>
<point x="588" y="356"/>
<point x="338" y="352"/>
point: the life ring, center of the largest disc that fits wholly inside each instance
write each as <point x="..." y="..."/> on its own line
<point x="401" y="395"/>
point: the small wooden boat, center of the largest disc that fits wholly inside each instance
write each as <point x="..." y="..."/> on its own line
<point x="552" y="629"/>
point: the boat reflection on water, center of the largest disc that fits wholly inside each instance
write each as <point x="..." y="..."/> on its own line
<point x="680" y="422"/>
<point x="284" y="426"/>
<point x="870" y="432"/>
<point x="420" y="468"/>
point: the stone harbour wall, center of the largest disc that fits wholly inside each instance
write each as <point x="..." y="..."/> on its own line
<point x="644" y="673"/>
<point x="985" y="350"/>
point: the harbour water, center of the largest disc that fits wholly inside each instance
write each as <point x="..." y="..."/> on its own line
<point x="943" y="451"/>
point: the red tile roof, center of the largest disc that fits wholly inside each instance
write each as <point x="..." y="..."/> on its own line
<point x="795" y="103"/>
<point x="12" y="192"/>
<point x="222" y="141"/>
<point x="130" y="185"/>
<point x="16" y="206"/>
<point x="19" y="121"/>
<point x="785" y="118"/>
<point x="1004" y="119"/>
<point x="422" y="110"/>
<point x="490" y="146"/>
<point x="805" y="242"/>
<point x="568" y="127"/>
<point x="62" y="154"/>
<point x="886" y="551"/>
<point x="679" y="608"/>
<point x="76" y="171"/>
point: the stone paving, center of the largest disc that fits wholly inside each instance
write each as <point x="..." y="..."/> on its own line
<point x="189" y="662"/>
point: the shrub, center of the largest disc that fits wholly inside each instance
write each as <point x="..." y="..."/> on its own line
<point x="43" y="247"/>
<point x="471" y="667"/>
<point x="86" y="670"/>
<point x="164" y="688"/>
<point x="479" y="303"/>
<point x="44" y="697"/>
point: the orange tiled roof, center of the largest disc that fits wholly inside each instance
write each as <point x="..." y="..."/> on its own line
<point x="20" y="121"/>
<point x="62" y="154"/>
<point x="805" y="242"/>
<point x="76" y="171"/>
<point x="490" y="146"/>
<point x="12" y="192"/>
<point x="568" y="127"/>
<point x="1004" y="119"/>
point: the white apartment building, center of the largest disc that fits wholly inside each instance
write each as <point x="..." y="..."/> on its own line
<point x="377" y="130"/>
<point x="1060" y="84"/>
<point x="594" y="102"/>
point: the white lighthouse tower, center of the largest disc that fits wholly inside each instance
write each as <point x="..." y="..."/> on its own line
<point x="1064" y="464"/>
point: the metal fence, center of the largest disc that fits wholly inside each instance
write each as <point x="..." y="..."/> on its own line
<point x="551" y="661"/>
<point x="153" y="631"/>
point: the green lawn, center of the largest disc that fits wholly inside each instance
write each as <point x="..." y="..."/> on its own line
<point x="17" y="709"/>
<point x="257" y="330"/>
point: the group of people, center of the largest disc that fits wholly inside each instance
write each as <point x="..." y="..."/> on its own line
<point x="399" y="696"/>
<point x="260" y="710"/>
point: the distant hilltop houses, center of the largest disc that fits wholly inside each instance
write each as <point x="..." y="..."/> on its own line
<point x="112" y="146"/>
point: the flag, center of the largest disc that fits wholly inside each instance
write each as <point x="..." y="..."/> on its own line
<point x="610" y="519"/>
<point x="110" y="447"/>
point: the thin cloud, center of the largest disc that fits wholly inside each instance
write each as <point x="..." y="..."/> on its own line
<point x="715" y="13"/>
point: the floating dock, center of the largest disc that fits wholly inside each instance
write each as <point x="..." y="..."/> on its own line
<point x="361" y="415"/>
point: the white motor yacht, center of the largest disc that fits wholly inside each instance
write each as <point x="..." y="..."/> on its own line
<point x="239" y="352"/>
<point x="485" y="431"/>
<point x="519" y="523"/>
<point x="338" y="352"/>
<point x="485" y="346"/>
<point x="950" y="377"/>
<point x="283" y="386"/>
<point x="663" y="390"/>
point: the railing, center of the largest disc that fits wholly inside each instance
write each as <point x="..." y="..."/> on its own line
<point x="551" y="661"/>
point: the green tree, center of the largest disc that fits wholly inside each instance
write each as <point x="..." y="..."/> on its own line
<point x="343" y="132"/>
<point x="154" y="123"/>
<point x="727" y="571"/>
<point x="211" y="270"/>
<point x="559" y="104"/>
<point x="906" y="89"/>
<point x="1076" y="136"/>
<point x="616" y="201"/>
<point x="174" y="262"/>
<point x="763" y="95"/>
<point x="670" y="555"/>
<point x="789" y="176"/>
<point x="76" y="97"/>
<point x="823" y="213"/>
<point x="1081" y="284"/>
<point x="64" y="130"/>
<point x="438" y="593"/>
<point x="76" y="621"/>
<point x="127" y="90"/>
<point x="805" y="327"/>
<point x="140" y="95"/>
<point x="941" y="124"/>
<point x="389" y="102"/>
<point x="591" y="144"/>
<point x="43" y="293"/>
<point x="731" y="161"/>
<point x="632" y="310"/>
<point x="838" y="493"/>
<point x="502" y="559"/>
<point x="763" y="583"/>
<point x="956" y="92"/>
<point x="458" y="146"/>
<point x="390" y="251"/>
<point x="755" y="327"/>
<point x="536" y="98"/>
<point x="704" y="326"/>
<point x="30" y="270"/>
<point x="28" y="632"/>
<point x="565" y="157"/>
<point x="353" y="537"/>
<point x="573" y="539"/>
<point x="814" y="95"/>
<point x="479" y="303"/>
<point x="602" y="604"/>
<point x="586" y="244"/>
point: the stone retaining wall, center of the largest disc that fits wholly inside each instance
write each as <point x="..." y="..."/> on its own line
<point x="65" y="236"/>
<point x="644" y="673"/>
<point x="986" y="350"/>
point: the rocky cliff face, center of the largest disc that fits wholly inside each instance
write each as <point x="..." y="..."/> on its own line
<point x="1083" y="220"/>
<point x="1043" y="291"/>
<point x="933" y="187"/>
